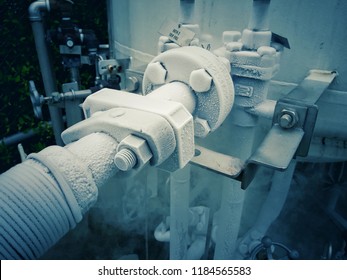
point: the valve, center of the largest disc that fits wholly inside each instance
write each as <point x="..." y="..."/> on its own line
<point x="36" y="100"/>
<point x="56" y="98"/>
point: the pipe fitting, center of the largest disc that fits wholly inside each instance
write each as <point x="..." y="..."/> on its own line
<point x="36" y="8"/>
<point x="201" y="128"/>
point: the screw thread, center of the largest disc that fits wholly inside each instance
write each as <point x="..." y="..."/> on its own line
<point x="125" y="159"/>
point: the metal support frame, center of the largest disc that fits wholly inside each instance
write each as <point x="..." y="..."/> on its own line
<point x="290" y="136"/>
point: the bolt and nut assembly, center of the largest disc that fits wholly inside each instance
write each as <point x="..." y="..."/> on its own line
<point x="288" y="118"/>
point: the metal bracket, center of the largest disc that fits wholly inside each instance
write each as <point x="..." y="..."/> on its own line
<point x="293" y="123"/>
<point x="219" y="163"/>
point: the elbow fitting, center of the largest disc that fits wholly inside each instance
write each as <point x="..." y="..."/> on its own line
<point x="36" y="8"/>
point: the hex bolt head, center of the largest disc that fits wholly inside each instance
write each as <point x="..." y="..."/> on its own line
<point x="231" y="36"/>
<point x="201" y="128"/>
<point x="125" y="159"/>
<point x="265" y="50"/>
<point x="200" y="80"/>
<point x="156" y="73"/>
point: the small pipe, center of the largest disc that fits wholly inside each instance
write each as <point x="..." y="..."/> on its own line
<point x="18" y="137"/>
<point x="272" y="207"/>
<point x="36" y="8"/>
<point x="259" y="20"/>
<point x="176" y="91"/>
<point x="35" y="15"/>
<point x="79" y="94"/>
<point x="179" y="213"/>
<point x="48" y="194"/>
<point x="186" y="11"/>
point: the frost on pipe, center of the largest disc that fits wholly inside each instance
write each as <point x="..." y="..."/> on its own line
<point x="47" y="195"/>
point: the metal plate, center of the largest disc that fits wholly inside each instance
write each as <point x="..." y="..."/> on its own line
<point x="222" y="164"/>
<point x="278" y="148"/>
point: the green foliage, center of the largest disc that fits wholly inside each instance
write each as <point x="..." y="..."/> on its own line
<point x="19" y="64"/>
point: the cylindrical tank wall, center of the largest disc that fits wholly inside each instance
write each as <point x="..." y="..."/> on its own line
<point x="315" y="30"/>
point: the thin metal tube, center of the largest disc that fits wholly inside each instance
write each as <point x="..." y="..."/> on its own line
<point x="46" y="66"/>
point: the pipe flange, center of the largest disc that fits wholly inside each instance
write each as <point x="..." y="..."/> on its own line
<point x="203" y="72"/>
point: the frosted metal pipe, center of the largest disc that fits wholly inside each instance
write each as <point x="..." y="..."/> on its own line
<point x="273" y="205"/>
<point x="259" y="20"/>
<point x="270" y="210"/>
<point x="75" y="76"/>
<point x="233" y="196"/>
<point x="179" y="180"/>
<point x="186" y="11"/>
<point x="46" y="67"/>
<point x="179" y="213"/>
<point x="44" y="197"/>
<point x="176" y="91"/>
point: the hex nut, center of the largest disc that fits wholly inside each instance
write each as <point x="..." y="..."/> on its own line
<point x="201" y="128"/>
<point x="231" y="36"/>
<point x="139" y="147"/>
<point x="156" y="73"/>
<point x="287" y="118"/>
<point x="265" y="50"/>
<point x="234" y="46"/>
<point x="200" y="80"/>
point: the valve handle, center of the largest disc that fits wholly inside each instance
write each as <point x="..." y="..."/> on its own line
<point x="36" y="100"/>
<point x="266" y="249"/>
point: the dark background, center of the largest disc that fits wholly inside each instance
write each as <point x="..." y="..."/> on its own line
<point x="19" y="64"/>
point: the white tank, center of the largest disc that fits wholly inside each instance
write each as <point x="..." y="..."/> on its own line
<point x="316" y="30"/>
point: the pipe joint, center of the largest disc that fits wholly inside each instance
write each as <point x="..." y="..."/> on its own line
<point x="36" y="8"/>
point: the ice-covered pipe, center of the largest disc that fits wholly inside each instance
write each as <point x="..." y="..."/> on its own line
<point x="229" y="218"/>
<point x="259" y="20"/>
<point x="176" y="91"/>
<point x="35" y="15"/>
<point x="44" y="197"/>
<point x="179" y="213"/>
<point x="269" y="212"/>
<point x="258" y="34"/>
<point x="186" y="11"/>
<point x="250" y="91"/>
